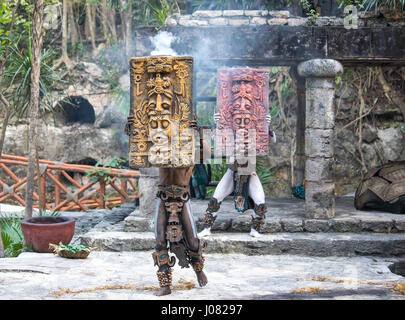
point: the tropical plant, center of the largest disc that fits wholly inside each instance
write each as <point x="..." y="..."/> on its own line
<point x="162" y="9"/>
<point x="12" y="235"/>
<point x="217" y="172"/>
<point x="18" y="77"/>
<point x="263" y="172"/>
<point x="239" y="4"/>
<point x="5" y="19"/>
<point x="345" y="3"/>
<point x="310" y="12"/>
<point x="395" y="5"/>
<point x="101" y="172"/>
<point x="388" y="4"/>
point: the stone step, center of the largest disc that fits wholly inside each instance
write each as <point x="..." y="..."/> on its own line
<point x="230" y="222"/>
<point x="309" y="244"/>
<point x="286" y="215"/>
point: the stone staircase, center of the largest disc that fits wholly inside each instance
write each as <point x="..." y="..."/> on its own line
<point x="286" y="231"/>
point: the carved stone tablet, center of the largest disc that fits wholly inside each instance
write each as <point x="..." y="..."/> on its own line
<point x="161" y="111"/>
<point x="243" y="103"/>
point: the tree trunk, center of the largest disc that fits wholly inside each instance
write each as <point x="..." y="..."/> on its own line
<point x="92" y="24"/>
<point x="104" y="17"/>
<point x="3" y="100"/>
<point x="126" y="25"/>
<point x="111" y="19"/>
<point x="37" y="21"/>
<point x="72" y="30"/>
<point x="65" y="58"/>
<point x="128" y="32"/>
<point x="107" y="17"/>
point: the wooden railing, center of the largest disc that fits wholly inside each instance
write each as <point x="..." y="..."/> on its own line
<point x="91" y="195"/>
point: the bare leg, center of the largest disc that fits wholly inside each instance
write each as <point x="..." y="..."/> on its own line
<point x="193" y="244"/>
<point x="164" y="272"/>
<point x="256" y="192"/>
<point x="223" y="189"/>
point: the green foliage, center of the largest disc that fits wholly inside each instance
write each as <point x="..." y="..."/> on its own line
<point x="205" y="113"/>
<point x="77" y="49"/>
<point x="239" y="4"/>
<point x="263" y="172"/>
<point x="149" y="12"/>
<point x="12" y="236"/>
<point x="274" y="110"/>
<point x="161" y="10"/>
<point x="18" y="77"/>
<point x="5" y="19"/>
<point x="122" y="100"/>
<point x="395" y="5"/>
<point x="286" y="88"/>
<point x="345" y="3"/>
<point x="310" y="12"/>
<point x="101" y="173"/>
<point x="338" y="81"/>
<point x="388" y="4"/>
<point x="217" y="172"/>
<point x="73" y="248"/>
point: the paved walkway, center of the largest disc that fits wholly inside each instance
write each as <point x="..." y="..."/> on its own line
<point x="131" y="275"/>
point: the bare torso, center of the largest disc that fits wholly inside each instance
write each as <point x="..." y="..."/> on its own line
<point x="179" y="176"/>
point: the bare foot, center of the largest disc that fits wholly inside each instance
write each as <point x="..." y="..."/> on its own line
<point x="163" y="291"/>
<point x="205" y="233"/>
<point x="202" y="278"/>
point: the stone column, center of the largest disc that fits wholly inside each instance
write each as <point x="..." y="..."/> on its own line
<point x="299" y="168"/>
<point x="148" y="187"/>
<point x="319" y="136"/>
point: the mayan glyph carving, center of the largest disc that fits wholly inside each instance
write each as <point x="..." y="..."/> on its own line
<point x="243" y="103"/>
<point x="161" y="111"/>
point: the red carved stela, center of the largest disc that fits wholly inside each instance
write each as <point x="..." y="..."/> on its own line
<point x="243" y="103"/>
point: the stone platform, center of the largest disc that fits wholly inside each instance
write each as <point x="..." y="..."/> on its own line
<point x="310" y="244"/>
<point x="288" y="215"/>
<point x="131" y="276"/>
<point x="286" y="231"/>
<point x="282" y="265"/>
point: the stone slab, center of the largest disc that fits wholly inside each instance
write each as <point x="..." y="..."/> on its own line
<point x="301" y="243"/>
<point x="283" y="45"/>
<point x="43" y="276"/>
<point x="286" y="215"/>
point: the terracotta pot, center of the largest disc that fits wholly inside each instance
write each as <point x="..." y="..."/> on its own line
<point x="39" y="232"/>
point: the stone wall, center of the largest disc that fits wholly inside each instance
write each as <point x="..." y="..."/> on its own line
<point x="271" y="17"/>
<point x="73" y="142"/>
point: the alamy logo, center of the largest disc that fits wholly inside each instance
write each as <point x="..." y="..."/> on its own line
<point x="51" y="15"/>
<point x="351" y="19"/>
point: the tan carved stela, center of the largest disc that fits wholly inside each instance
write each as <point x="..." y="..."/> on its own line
<point x="161" y="111"/>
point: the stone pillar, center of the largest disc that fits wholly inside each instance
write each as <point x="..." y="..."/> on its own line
<point x="319" y="136"/>
<point x="299" y="168"/>
<point x="148" y="187"/>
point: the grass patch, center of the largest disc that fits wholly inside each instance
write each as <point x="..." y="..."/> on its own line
<point x="307" y="290"/>
<point x="182" y="285"/>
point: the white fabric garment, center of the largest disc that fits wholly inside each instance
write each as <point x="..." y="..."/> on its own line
<point x="225" y="188"/>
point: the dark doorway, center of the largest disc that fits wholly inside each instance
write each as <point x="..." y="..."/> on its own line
<point x="75" y="110"/>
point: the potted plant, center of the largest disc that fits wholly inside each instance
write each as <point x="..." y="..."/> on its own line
<point x="40" y="231"/>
